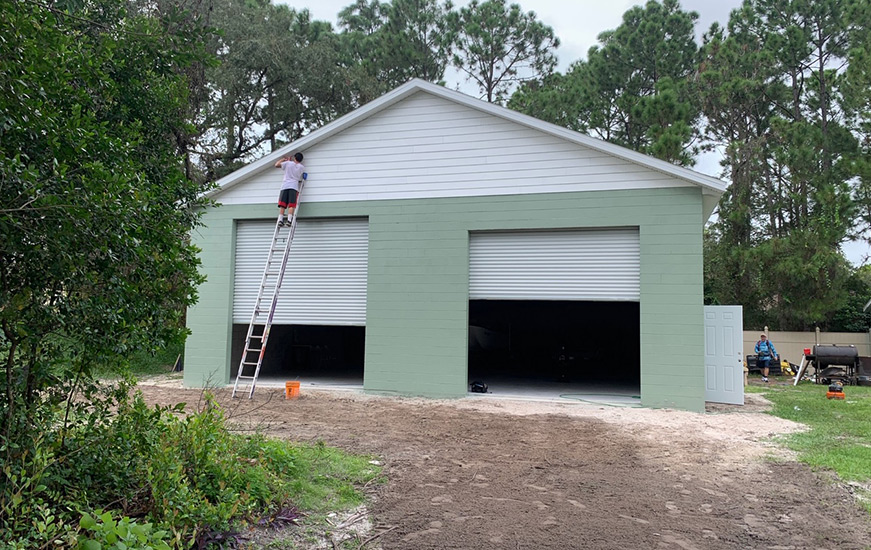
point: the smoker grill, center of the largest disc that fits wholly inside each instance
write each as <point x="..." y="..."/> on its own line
<point x="833" y="362"/>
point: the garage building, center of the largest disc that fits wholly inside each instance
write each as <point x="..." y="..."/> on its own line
<point x="443" y="239"/>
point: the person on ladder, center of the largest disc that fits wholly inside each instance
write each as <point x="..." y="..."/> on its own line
<point x="293" y="171"/>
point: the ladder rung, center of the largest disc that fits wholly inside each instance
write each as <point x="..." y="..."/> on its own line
<point x="240" y="377"/>
<point x="249" y="363"/>
<point x="252" y="349"/>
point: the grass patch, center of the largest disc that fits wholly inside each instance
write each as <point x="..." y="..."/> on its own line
<point x="322" y="479"/>
<point x="840" y="434"/>
<point x="161" y="362"/>
<point x="145" y="363"/>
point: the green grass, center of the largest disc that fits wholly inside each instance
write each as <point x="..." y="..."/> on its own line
<point x="322" y="479"/>
<point x="839" y="438"/>
<point x="146" y="363"/>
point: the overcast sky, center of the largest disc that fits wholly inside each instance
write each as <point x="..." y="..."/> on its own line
<point x="577" y="23"/>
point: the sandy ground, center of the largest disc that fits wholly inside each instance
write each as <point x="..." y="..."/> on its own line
<point x="484" y="473"/>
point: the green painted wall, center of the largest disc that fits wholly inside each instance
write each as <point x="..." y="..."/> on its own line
<point x="418" y="284"/>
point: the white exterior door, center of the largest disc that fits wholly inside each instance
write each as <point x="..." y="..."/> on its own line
<point x="594" y="265"/>
<point x="724" y="366"/>
<point x="325" y="281"/>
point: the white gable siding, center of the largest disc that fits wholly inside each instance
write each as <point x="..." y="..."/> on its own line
<point x="426" y="146"/>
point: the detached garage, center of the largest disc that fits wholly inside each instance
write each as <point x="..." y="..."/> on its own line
<point x="442" y="238"/>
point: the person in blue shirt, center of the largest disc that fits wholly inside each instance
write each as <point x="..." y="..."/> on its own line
<point x="765" y="353"/>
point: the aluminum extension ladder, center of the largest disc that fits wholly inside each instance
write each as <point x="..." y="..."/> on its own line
<point x="273" y="276"/>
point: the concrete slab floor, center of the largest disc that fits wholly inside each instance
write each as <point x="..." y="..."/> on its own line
<point x="499" y="387"/>
<point x="541" y="389"/>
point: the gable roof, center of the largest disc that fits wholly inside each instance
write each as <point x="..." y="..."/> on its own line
<point x="710" y="186"/>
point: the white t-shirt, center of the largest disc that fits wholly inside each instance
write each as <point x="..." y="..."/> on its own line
<point x="292" y="174"/>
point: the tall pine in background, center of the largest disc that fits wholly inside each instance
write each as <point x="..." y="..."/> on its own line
<point x="774" y="96"/>
<point x="632" y="88"/>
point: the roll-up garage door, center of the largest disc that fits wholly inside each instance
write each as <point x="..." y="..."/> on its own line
<point x="555" y="265"/>
<point x="325" y="282"/>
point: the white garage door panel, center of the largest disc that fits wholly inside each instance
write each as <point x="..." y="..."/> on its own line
<point x="555" y="265"/>
<point x="325" y="283"/>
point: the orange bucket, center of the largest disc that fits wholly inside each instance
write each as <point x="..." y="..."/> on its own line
<point x="291" y="390"/>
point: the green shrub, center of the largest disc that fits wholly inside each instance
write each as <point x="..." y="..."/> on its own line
<point x="201" y="475"/>
<point x="104" y="532"/>
<point x="185" y="474"/>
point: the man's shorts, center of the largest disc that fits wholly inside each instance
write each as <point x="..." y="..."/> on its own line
<point x="287" y="198"/>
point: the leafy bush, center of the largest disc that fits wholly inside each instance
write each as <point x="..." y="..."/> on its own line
<point x="105" y="532"/>
<point x="199" y="474"/>
<point x="97" y="267"/>
<point x="186" y="475"/>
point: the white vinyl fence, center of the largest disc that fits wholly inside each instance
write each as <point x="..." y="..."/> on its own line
<point x="790" y="345"/>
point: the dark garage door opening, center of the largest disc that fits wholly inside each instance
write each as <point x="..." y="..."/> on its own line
<point x="567" y="346"/>
<point x="326" y="355"/>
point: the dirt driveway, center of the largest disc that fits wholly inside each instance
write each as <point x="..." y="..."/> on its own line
<point x="483" y="473"/>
